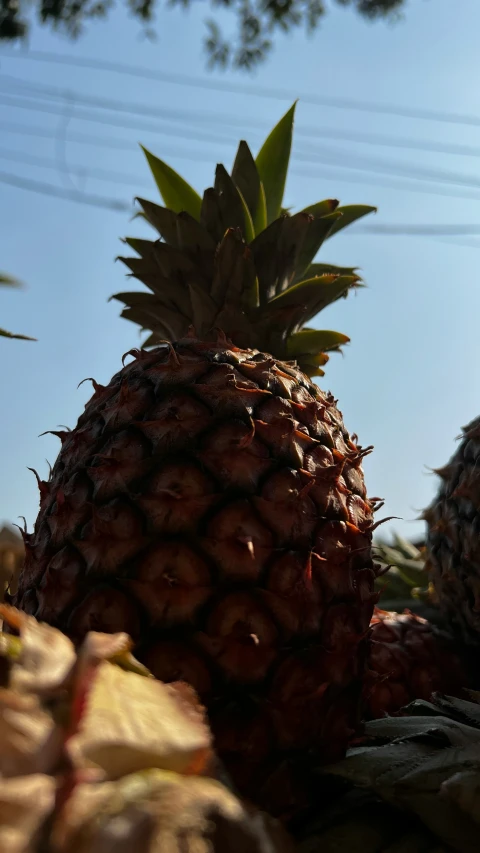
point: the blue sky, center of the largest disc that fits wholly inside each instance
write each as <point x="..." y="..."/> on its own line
<point x="405" y="383"/>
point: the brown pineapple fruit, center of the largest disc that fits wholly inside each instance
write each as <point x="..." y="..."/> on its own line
<point x="409" y="658"/>
<point x="210" y="501"/>
<point x="453" y="543"/>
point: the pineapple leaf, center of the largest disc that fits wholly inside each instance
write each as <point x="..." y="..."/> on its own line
<point x="247" y="180"/>
<point x="350" y="213"/>
<point x="192" y="237"/>
<point x="204" y="308"/>
<point x="171" y="290"/>
<point x="141" y="247"/>
<point x="234" y="270"/>
<point x="161" y="318"/>
<point x="260" y="218"/>
<point x="313" y="366"/>
<point x="248" y="230"/>
<point x="313" y="294"/>
<point x="5" y="334"/>
<point x="229" y="200"/>
<point x="162" y="219"/>
<point x="322" y="208"/>
<point x="9" y="281"/>
<point x="321" y="269"/>
<point x="272" y="163"/>
<point x="134" y="299"/>
<point x="264" y="249"/>
<point x="176" y="193"/>
<point x="318" y="231"/>
<point x="312" y="342"/>
<point x="276" y="251"/>
<point x="211" y="216"/>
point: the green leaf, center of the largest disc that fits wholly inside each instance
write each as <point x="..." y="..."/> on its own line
<point x="162" y="219"/>
<point x="157" y="318"/>
<point x="229" y="201"/>
<point x="211" y="216"/>
<point x="260" y="219"/>
<point x="9" y="281"/>
<point x="176" y="193"/>
<point x="272" y="163"/>
<point x="5" y="334"/>
<point x="321" y="269"/>
<point x="350" y="213"/>
<point x="312" y="365"/>
<point x="276" y="250"/>
<point x="248" y="231"/>
<point x="319" y="291"/>
<point x="297" y="305"/>
<point x="322" y="208"/>
<point x="313" y="342"/>
<point x="142" y="247"/>
<point x="319" y="229"/>
<point x="234" y="280"/>
<point x="246" y="178"/>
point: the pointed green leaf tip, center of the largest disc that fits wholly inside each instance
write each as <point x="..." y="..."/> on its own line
<point x="272" y="163"/>
<point x="176" y="193"/>
<point x="350" y="213"/>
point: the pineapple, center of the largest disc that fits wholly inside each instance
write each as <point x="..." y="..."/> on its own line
<point x="453" y="521"/>
<point x="409" y="659"/>
<point x="97" y="755"/>
<point x="210" y="501"/>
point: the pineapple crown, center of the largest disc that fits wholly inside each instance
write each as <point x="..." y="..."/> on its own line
<point x="237" y="261"/>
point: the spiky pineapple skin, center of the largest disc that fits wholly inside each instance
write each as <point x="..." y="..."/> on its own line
<point x="453" y="537"/>
<point x="409" y="659"/>
<point x="211" y="503"/>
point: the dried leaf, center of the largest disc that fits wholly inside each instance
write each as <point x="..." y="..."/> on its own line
<point x="131" y="723"/>
<point x="47" y="656"/>
<point x="161" y="812"/>
<point x="25" y="804"/>
<point x="30" y="740"/>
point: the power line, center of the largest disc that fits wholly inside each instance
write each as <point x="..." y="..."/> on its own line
<point x="77" y="169"/>
<point x="236" y="88"/>
<point x="67" y="195"/>
<point x="53" y="109"/>
<point x="422" y="230"/>
<point x="210" y="117"/>
<point x="320" y="154"/>
<point x="55" y="93"/>
<point x="333" y="174"/>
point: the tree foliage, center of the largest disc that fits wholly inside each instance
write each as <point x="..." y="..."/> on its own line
<point x="256" y="21"/>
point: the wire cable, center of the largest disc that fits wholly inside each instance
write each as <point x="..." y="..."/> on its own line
<point x="241" y="89"/>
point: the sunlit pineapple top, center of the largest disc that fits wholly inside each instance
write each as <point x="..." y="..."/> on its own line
<point x="236" y="261"/>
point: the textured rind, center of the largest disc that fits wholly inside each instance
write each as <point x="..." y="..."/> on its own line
<point x="211" y="504"/>
<point x="409" y="659"/>
<point x="453" y="539"/>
